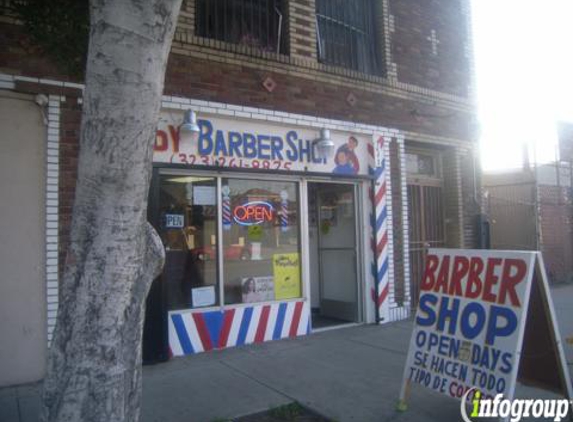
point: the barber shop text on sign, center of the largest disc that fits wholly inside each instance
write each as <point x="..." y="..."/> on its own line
<point x="470" y="323"/>
<point x="471" y="307"/>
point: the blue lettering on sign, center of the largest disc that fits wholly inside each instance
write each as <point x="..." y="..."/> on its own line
<point x="304" y="150"/>
<point x="220" y="146"/>
<point x="263" y="147"/>
<point x="235" y="141"/>
<point x="255" y="145"/>
<point x="277" y="148"/>
<point x="470" y="331"/>
<point x="292" y="153"/>
<point x="249" y="145"/>
<point x="174" y="221"/>
<point x="470" y="320"/>
<point x="205" y="141"/>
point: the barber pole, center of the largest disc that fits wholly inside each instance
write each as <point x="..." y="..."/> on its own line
<point x="226" y="203"/>
<point x="284" y="211"/>
<point x="379" y="220"/>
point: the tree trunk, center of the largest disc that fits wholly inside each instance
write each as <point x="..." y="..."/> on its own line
<point x="94" y="367"/>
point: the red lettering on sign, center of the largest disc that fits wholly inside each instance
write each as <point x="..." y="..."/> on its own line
<point x="509" y="281"/>
<point x="429" y="279"/>
<point x="443" y="276"/>
<point x="253" y="213"/>
<point x="161" y="143"/>
<point x="461" y="266"/>
<point x="473" y="288"/>
<point x="492" y="280"/>
<point x="175" y="137"/>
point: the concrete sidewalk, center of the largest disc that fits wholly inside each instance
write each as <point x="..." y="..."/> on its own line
<point x="350" y="374"/>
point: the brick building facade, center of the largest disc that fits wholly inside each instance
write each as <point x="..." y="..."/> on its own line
<point x="412" y="86"/>
<point x="532" y="209"/>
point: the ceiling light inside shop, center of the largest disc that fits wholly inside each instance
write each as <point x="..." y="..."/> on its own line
<point x="188" y="179"/>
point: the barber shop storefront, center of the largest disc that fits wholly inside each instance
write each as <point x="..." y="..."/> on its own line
<point x="266" y="235"/>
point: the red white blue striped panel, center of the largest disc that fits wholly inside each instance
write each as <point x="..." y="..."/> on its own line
<point x="196" y="332"/>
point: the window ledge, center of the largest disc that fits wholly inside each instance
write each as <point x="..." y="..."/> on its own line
<point x="247" y="50"/>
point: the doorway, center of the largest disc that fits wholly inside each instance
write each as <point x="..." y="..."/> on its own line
<point x="334" y="275"/>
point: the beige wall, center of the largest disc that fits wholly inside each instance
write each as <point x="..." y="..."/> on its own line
<point x="22" y="239"/>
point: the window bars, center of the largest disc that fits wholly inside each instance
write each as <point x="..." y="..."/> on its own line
<point x="253" y="23"/>
<point x="346" y="34"/>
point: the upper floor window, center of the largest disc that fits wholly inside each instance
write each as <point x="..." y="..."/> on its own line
<point x="257" y="24"/>
<point x="346" y="34"/>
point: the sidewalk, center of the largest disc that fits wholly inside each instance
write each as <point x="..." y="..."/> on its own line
<point x="350" y="374"/>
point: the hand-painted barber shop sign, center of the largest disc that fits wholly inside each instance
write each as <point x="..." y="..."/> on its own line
<point x="252" y="144"/>
<point x="485" y="320"/>
<point x="253" y="213"/>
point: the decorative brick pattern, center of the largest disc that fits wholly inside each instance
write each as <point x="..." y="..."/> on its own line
<point x="385" y="21"/>
<point x="52" y="211"/>
<point x="469" y="188"/>
<point x="468" y="46"/>
<point x="302" y="29"/>
<point x="405" y="225"/>
<point x="417" y="57"/>
<point x="7" y="82"/>
<point x="452" y="198"/>
<point x="400" y="298"/>
<point x="232" y="83"/>
<point x="226" y="79"/>
<point x="434" y="41"/>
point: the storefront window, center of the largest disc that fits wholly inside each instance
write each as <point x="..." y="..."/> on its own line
<point x="261" y="243"/>
<point x="188" y="228"/>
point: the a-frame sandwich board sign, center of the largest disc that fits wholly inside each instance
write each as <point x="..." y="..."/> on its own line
<point x="485" y="319"/>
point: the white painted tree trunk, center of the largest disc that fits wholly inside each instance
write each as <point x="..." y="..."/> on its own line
<point x="94" y="367"/>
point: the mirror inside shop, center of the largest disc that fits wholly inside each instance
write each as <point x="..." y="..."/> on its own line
<point x="259" y="229"/>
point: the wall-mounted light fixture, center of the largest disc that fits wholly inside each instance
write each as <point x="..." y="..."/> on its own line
<point x="189" y="129"/>
<point x="323" y="144"/>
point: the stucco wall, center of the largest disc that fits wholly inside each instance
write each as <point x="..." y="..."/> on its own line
<point x="22" y="286"/>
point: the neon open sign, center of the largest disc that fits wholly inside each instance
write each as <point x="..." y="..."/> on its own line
<point x="254" y="212"/>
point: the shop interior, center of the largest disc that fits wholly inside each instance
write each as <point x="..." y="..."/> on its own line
<point x="258" y="225"/>
<point x="333" y="252"/>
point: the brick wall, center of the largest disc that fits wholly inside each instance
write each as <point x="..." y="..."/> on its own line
<point x="424" y="95"/>
<point x="470" y="188"/>
<point x="69" y="148"/>
<point x="235" y="83"/>
<point x="556" y="220"/>
<point x="211" y="70"/>
<point x="453" y="210"/>
<point x="398" y="221"/>
<point x="429" y="44"/>
<point x="302" y="28"/>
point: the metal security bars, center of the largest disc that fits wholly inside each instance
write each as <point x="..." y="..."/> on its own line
<point x="427" y="230"/>
<point x="346" y="34"/>
<point x="258" y="24"/>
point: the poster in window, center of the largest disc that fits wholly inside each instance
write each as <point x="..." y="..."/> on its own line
<point x="257" y="289"/>
<point x="286" y="270"/>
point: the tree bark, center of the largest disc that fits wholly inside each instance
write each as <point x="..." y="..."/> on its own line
<point x="94" y="365"/>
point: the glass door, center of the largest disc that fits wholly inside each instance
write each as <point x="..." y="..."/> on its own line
<point x="188" y="228"/>
<point x="337" y="251"/>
